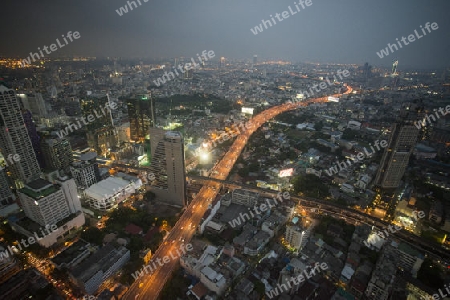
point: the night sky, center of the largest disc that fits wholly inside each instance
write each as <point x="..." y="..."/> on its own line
<point x="345" y="31"/>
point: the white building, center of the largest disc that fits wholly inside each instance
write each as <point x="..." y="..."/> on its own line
<point x="107" y="193"/>
<point x="210" y="214"/>
<point x="296" y="236"/>
<point x="244" y="197"/>
<point x="213" y="280"/>
<point x="46" y="203"/>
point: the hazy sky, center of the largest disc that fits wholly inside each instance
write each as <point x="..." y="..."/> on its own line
<point x="346" y="31"/>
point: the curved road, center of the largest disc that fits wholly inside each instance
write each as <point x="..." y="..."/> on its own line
<point x="149" y="285"/>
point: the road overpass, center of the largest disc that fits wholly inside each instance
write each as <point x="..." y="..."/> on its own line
<point x="150" y="285"/>
<point x="335" y="209"/>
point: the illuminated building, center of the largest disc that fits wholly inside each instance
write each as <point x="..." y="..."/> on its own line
<point x="141" y="117"/>
<point x="167" y="151"/>
<point x="14" y="139"/>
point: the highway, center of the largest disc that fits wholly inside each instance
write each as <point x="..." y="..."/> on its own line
<point x="150" y="285"/>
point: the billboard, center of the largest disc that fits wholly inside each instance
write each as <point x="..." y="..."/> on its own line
<point x="247" y="110"/>
<point x="286" y="172"/>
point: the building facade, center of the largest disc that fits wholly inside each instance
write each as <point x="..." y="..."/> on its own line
<point x="167" y="152"/>
<point x="14" y="139"/>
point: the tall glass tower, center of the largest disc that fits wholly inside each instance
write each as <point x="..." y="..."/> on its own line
<point x="14" y="140"/>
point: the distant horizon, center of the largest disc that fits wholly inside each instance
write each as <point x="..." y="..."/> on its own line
<point x="347" y="32"/>
<point x="217" y="59"/>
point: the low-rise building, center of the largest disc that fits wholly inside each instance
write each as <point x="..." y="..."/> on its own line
<point x="93" y="271"/>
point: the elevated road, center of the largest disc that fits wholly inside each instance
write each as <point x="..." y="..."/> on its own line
<point x="315" y="205"/>
<point x="150" y="285"/>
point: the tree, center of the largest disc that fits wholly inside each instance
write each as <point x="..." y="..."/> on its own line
<point x="430" y="274"/>
<point x="318" y="126"/>
<point x="311" y="186"/>
<point x="93" y="235"/>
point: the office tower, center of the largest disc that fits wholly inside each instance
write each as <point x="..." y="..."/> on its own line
<point x="34" y="102"/>
<point x="57" y="153"/>
<point x="34" y="136"/>
<point x="85" y="171"/>
<point x="167" y="151"/>
<point x="255" y="59"/>
<point x="396" y="156"/>
<point x="45" y="202"/>
<point x="14" y="139"/>
<point x="222" y="63"/>
<point x="101" y="134"/>
<point x="140" y="109"/>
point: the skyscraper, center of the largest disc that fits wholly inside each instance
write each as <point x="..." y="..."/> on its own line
<point x="255" y="59"/>
<point x="57" y="153"/>
<point x="34" y="136"/>
<point x="141" y="117"/>
<point x="14" y="139"/>
<point x="396" y="156"/>
<point x="34" y="102"/>
<point x="101" y="134"/>
<point x="167" y="151"/>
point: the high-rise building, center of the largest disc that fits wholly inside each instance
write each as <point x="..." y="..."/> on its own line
<point x="167" y="151"/>
<point x="188" y="74"/>
<point x="14" y="139"/>
<point x="46" y="203"/>
<point x="295" y="236"/>
<point x="34" y="136"/>
<point x="57" y="153"/>
<point x="101" y="134"/>
<point x="34" y="102"/>
<point x="396" y="156"/>
<point x="140" y="109"/>
<point x="255" y="59"/>
<point x="85" y="171"/>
